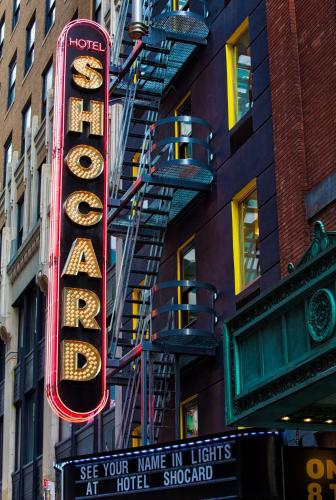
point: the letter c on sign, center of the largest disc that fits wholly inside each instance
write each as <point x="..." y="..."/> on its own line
<point x="71" y="208"/>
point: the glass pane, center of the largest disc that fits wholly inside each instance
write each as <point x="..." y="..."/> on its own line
<point x="188" y="272"/>
<point x="190" y="419"/>
<point x="29" y="429"/>
<point x="26" y="120"/>
<point x="2" y="32"/>
<point x="184" y="129"/>
<point x="31" y="36"/>
<point x="8" y="153"/>
<point x="243" y="75"/>
<point x="17" y="436"/>
<point x="48" y="79"/>
<point x="189" y="265"/>
<point x="250" y="238"/>
<point x="183" y="4"/>
<point x="2" y="359"/>
<point x="12" y="74"/>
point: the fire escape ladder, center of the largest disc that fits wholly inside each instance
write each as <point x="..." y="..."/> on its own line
<point x="119" y="32"/>
<point x="149" y="184"/>
<point x="162" y="392"/>
<point x="139" y="214"/>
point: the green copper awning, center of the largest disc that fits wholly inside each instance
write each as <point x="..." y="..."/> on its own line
<point x="280" y="349"/>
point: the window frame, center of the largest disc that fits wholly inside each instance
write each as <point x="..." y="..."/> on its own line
<point x="237" y="240"/>
<point x="2" y="34"/>
<point x="19" y="226"/>
<point x="8" y="146"/>
<point x="136" y="437"/>
<point x="16" y="13"/>
<point x="97" y="11"/>
<point x="49" y="68"/>
<point x="50" y="15"/>
<point x="177" y="125"/>
<point x="232" y="97"/>
<point x="188" y="244"/>
<point x="11" y="84"/>
<point x="30" y="43"/>
<point x="183" y="404"/>
<point x="176" y="6"/>
<point x="24" y="127"/>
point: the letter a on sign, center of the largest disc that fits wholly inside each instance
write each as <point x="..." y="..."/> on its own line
<point x="76" y="317"/>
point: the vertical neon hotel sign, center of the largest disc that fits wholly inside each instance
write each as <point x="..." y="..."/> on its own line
<point x="76" y="344"/>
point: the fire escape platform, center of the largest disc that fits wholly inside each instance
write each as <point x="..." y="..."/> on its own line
<point x="179" y="22"/>
<point x="184" y="30"/>
<point x="187" y="176"/>
<point x="280" y="350"/>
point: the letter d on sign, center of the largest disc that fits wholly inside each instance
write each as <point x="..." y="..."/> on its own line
<point x="71" y="369"/>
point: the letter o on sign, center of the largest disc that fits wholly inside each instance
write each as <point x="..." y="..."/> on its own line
<point x="315" y="468"/>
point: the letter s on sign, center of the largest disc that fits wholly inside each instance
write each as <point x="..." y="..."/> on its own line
<point x="88" y="77"/>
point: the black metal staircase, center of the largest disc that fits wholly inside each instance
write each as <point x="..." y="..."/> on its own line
<point x="149" y="185"/>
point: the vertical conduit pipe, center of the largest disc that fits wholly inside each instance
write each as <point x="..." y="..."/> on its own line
<point x="137" y="28"/>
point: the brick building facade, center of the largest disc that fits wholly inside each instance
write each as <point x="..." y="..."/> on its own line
<point x="302" y="42"/>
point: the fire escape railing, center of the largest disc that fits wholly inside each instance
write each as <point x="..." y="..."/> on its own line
<point x="155" y="173"/>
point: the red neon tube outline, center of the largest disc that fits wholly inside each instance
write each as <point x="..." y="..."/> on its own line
<point x="52" y="353"/>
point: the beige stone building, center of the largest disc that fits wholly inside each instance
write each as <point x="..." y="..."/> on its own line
<point x="28" y="430"/>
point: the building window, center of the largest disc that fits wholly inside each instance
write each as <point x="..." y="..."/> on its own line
<point x="30" y="44"/>
<point x="50" y="14"/>
<point x="40" y="408"/>
<point x="97" y="11"/>
<point x="186" y="270"/>
<point x="47" y="84"/>
<point x="2" y="35"/>
<point x="8" y="150"/>
<point x="180" y="4"/>
<point x="112" y="250"/>
<point x="29" y="428"/>
<point x="2" y="352"/>
<point x="245" y="237"/>
<point x="26" y="123"/>
<point x="38" y="194"/>
<point x="136" y="437"/>
<point x="29" y="406"/>
<point x="17" y="435"/>
<point x="11" y="81"/>
<point x="239" y="75"/>
<point x="20" y="211"/>
<point x="189" y="418"/>
<point x="1" y="446"/>
<point x="2" y="389"/>
<point x="16" y="12"/>
<point x="183" y="150"/>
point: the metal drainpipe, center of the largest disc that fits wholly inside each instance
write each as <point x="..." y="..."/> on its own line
<point x="137" y="28"/>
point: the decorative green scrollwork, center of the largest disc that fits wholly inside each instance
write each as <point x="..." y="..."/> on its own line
<point x="321" y="315"/>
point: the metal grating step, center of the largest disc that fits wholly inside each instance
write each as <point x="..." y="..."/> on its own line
<point x="144" y="273"/>
<point x="141" y="121"/>
<point x="139" y="287"/>
<point x="147" y="257"/>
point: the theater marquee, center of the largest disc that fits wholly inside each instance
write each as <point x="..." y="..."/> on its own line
<point x="230" y="465"/>
<point x="76" y="347"/>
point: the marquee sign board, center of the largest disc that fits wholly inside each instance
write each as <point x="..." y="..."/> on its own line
<point x="76" y="329"/>
<point x="309" y="473"/>
<point x="220" y="466"/>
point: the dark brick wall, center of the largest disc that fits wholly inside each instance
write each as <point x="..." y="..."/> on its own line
<point x="209" y="217"/>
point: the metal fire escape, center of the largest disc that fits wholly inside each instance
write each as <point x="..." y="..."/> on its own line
<point x="149" y="185"/>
